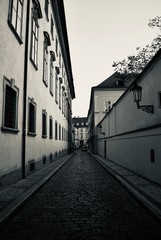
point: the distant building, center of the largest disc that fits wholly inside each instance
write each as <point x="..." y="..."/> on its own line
<point x="103" y="96"/>
<point x="80" y="124"/>
<point x="36" y="87"/>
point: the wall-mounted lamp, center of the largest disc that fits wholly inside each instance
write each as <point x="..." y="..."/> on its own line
<point x="100" y="129"/>
<point x="136" y="92"/>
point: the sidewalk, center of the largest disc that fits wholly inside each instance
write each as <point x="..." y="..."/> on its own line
<point x="12" y="197"/>
<point x="146" y="191"/>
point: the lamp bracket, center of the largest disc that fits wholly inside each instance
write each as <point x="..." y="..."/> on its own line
<point x="146" y="108"/>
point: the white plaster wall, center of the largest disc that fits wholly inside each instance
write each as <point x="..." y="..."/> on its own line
<point x="38" y="146"/>
<point x="12" y="66"/>
<point x="100" y="96"/>
<point x="132" y="150"/>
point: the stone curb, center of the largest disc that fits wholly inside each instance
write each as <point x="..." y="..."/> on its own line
<point x="138" y="193"/>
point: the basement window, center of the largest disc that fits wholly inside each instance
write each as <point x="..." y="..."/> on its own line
<point x="159" y="99"/>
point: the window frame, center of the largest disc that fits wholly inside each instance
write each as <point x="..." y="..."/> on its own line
<point x="56" y="130"/>
<point x="13" y="26"/>
<point x="46" y="8"/>
<point x="52" y="59"/>
<point x="11" y="84"/>
<point x="47" y="43"/>
<point x="50" y="127"/>
<point x="31" y="102"/>
<point x="34" y="40"/>
<point x="52" y="27"/>
<point x="44" y="130"/>
<point x="59" y="131"/>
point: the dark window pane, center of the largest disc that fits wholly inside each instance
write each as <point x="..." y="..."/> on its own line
<point x="10" y="108"/>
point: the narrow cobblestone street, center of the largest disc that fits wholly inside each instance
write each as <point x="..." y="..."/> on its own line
<point x="82" y="201"/>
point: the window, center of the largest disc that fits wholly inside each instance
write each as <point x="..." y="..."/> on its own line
<point x="56" y="87"/>
<point x="56" y="130"/>
<point x="107" y="105"/>
<point x="59" y="132"/>
<point x="52" y="28"/>
<point x="15" y="17"/>
<point x="56" y="46"/>
<point x="44" y="124"/>
<point x="50" y="127"/>
<point x="60" y="89"/>
<point x="32" y="118"/>
<point x="62" y="101"/>
<point x="45" y="60"/>
<point x="62" y="133"/>
<point x="10" y="106"/>
<point x="34" y="42"/>
<point x="59" y="59"/>
<point x="52" y="59"/>
<point x="159" y="99"/>
<point x="47" y="9"/>
<point x="36" y="14"/>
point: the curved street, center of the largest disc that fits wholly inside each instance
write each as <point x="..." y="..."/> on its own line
<point x="82" y="201"/>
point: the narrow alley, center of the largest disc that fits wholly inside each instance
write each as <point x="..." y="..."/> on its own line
<point x="82" y="201"/>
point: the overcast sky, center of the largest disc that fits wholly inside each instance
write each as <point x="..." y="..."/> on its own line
<point x="101" y="32"/>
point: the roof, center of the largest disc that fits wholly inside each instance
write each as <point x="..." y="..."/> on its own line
<point x="116" y="80"/>
<point x="58" y="8"/>
<point x="79" y="120"/>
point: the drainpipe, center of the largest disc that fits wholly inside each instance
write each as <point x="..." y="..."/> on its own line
<point x="25" y="90"/>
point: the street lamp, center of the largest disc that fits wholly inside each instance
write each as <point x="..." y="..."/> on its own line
<point x="136" y="92"/>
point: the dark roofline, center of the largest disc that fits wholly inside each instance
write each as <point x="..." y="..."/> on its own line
<point x="58" y="8"/>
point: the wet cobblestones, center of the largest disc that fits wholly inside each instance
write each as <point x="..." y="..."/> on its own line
<point x="82" y="201"/>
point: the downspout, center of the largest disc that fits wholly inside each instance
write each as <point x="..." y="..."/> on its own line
<point x="25" y="90"/>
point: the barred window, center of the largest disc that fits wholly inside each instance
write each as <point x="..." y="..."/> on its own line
<point x="50" y="127"/>
<point x="10" y="109"/>
<point x="59" y="132"/>
<point x="44" y="124"/>
<point x="32" y="118"/>
<point x="15" y="17"/>
<point x="56" y="130"/>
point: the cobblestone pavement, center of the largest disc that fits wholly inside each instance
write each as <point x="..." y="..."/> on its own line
<point x="82" y="201"/>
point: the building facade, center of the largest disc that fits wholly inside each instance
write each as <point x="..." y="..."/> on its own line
<point x="103" y="96"/>
<point x="36" y="88"/>
<point x="130" y="136"/>
<point x="81" y="130"/>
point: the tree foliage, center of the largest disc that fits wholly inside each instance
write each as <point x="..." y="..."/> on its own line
<point x="134" y="64"/>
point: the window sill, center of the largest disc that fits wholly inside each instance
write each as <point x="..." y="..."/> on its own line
<point x="9" y="130"/>
<point x="30" y="134"/>
<point x="34" y="65"/>
<point x="44" y="136"/>
<point x="15" y="33"/>
<point x="51" y="94"/>
<point x="46" y="84"/>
